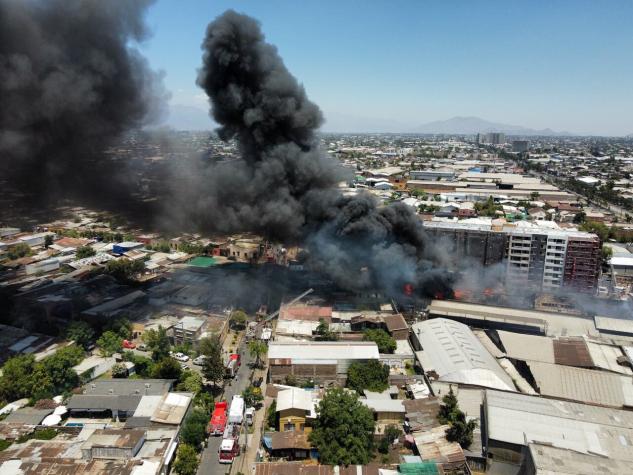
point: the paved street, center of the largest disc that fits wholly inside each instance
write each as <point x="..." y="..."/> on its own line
<point x="209" y="463"/>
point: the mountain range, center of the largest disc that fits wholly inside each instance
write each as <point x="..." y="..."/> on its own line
<point x="183" y="117"/>
<point x="475" y="125"/>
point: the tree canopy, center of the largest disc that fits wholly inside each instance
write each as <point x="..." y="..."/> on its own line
<point x="238" y="318"/>
<point x="80" y="332"/>
<point x="124" y="269"/>
<point x="23" y="377"/>
<point x="167" y="368"/>
<point x="186" y="460"/>
<point x="323" y="332"/>
<point x="460" y="430"/>
<point x="257" y="348"/>
<point x="213" y="368"/>
<point x="157" y="342"/>
<point x="109" y="343"/>
<point x="386" y="344"/>
<point x="343" y="430"/>
<point x="85" y="251"/>
<point x="371" y="375"/>
<point x="194" y="430"/>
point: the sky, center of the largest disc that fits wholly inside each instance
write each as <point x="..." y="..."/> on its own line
<point x="394" y="65"/>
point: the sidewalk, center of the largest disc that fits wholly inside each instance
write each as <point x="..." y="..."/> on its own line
<point x="249" y="456"/>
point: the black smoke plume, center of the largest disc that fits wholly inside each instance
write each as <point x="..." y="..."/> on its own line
<point x="285" y="187"/>
<point x="71" y="83"/>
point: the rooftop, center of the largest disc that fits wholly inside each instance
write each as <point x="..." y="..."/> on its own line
<point x="455" y="354"/>
<point x="520" y="419"/>
<point x="323" y="350"/>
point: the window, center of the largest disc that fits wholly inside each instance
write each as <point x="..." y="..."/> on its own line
<point x="289" y="426"/>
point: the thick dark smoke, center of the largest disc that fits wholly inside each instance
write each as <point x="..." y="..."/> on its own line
<point x="285" y="187"/>
<point x="70" y="85"/>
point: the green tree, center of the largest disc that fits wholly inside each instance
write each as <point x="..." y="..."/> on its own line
<point x="384" y="341"/>
<point x="606" y="253"/>
<point x="213" y="368"/>
<point x="252" y="396"/>
<point x="343" y="430"/>
<point x="204" y="401"/>
<point x="18" y="250"/>
<point x="85" y="251"/>
<point x="186" y="460"/>
<point x="194" y="430"/>
<point x="48" y="240"/>
<point x="324" y="333"/>
<point x="238" y="319"/>
<point x="580" y="218"/>
<point x="257" y="348"/>
<point x="119" y="371"/>
<point x="143" y="366"/>
<point x="120" y="326"/>
<point x="109" y="343"/>
<point x="157" y="342"/>
<point x="17" y="381"/>
<point x="371" y="375"/>
<point x="167" y="368"/>
<point x="80" y="332"/>
<point x="271" y="415"/>
<point x="124" y="269"/>
<point x="460" y="430"/>
<point x="191" y="383"/>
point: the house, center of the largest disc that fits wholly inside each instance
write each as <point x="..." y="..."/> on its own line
<point x="322" y="362"/>
<point x="93" y="366"/>
<point x="296" y="409"/>
<point x="537" y="214"/>
<point x="386" y="411"/>
<point x="115" y="398"/>
<point x="289" y="445"/>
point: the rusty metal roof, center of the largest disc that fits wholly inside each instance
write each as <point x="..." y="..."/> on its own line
<point x="572" y="352"/>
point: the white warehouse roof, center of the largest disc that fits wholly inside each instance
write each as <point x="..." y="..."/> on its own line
<point x="520" y="419"/>
<point x="452" y="350"/>
<point x="323" y="350"/>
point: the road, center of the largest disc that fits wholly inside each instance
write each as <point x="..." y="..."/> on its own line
<point x="209" y="462"/>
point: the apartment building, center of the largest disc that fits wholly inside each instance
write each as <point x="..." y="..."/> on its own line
<point x="550" y="259"/>
<point x="537" y="258"/>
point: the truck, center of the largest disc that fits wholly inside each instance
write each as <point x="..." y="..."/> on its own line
<point x="230" y="446"/>
<point x="236" y="411"/>
<point x="229" y="449"/>
<point x="217" y="423"/>
<point x="233" y="365"/>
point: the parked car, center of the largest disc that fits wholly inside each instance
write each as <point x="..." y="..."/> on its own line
<point x="141" y="347"/>
<point x="127" y="344"/>
<point x="199" y="360"/>
<point x="181" y="357"/>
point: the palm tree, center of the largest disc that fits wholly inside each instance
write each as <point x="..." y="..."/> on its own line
<point x="257" y="348"/>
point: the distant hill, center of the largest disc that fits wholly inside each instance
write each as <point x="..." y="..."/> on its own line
<point x="475" y="125"/>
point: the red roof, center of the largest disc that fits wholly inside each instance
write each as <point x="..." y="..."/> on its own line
<point x="306" y="312"/>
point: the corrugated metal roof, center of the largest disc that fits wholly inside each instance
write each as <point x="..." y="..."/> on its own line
<point x="583" y="385"/>
<point x="527" y="347"/>
<point x="433" y="446"/>
<point x="550" y="460"/>
<point x="324" y="350"/>
<point x="519" y="419"/>
<point x="572" y="352"/>
<point x="453" y="352"/>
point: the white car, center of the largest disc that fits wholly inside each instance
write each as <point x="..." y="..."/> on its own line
<point x="181" y="357"/>
<point x="199" y="360"/>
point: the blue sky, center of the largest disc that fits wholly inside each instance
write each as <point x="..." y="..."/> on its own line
<point x="566" y="65"/>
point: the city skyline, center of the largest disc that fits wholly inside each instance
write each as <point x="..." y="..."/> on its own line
<point x="377" y="68"/>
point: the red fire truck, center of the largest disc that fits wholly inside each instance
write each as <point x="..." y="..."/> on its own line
<point x="233" y="365"/>
<point x="217" y="424"/>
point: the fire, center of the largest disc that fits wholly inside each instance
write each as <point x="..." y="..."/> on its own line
<point x="408" y="290"/>
<point x="488" y="292"/>
<point x="439" y="295"/>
